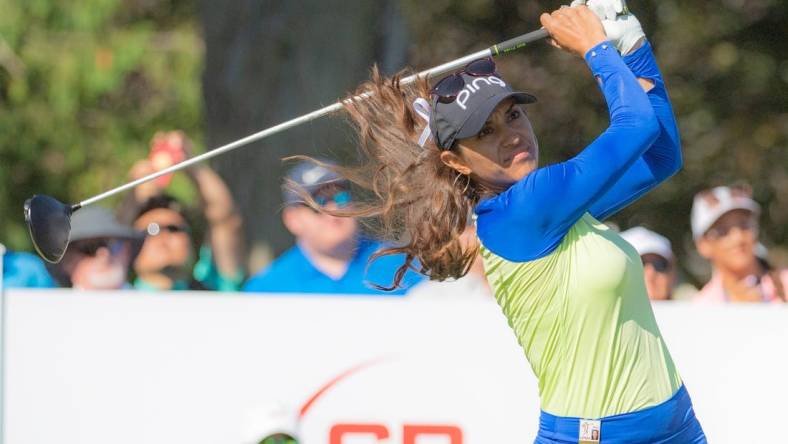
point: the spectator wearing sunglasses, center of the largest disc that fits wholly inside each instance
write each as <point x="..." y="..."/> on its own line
<point x="330" y="255"/>
<point x="725" y="229"/>
<point x="99" y="254"/>
<point x="175" y="256"/>
<point x="167" y="260"/>
<point x="658" y="261"/>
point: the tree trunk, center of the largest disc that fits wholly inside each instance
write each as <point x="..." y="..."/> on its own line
<point x="268" y="61"/>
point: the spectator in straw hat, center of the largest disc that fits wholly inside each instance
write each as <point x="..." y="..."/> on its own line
<point x="100" y="252"/>
<point x="725" y="229"/>
<point x="658" y="261"/>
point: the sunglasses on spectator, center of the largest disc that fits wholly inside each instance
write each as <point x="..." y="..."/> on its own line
<point x="89" y="247"/>
<point x="450" y="86"/>
<point x="658" y="263"/>
<point x="154" y="229"/>
<point x="341" y="197"/>
<point x="723" y="230"/>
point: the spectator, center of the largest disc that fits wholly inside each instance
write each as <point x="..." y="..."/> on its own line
<point x="23" y="270"/>
<point x="330" y="255"/>
<point x="725" y="229"/>
<point x="99" y="253"/>
<point x="658" y="261"/>
<point x="167" y="259"/>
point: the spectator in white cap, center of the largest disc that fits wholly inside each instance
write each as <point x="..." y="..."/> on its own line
<point x="658" y="261"/>
<point x="725" y="229"/>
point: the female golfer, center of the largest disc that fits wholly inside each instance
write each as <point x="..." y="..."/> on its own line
<point x="572" y="289"/>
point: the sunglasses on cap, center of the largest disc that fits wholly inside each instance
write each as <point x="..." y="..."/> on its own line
<point x="447" y="88"/>
<point x="89" y="247"/>
<point x="658" y="263"/>
<point x="154" y="229"/>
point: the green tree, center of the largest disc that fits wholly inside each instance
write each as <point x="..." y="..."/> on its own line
<point x="83" y="86"/>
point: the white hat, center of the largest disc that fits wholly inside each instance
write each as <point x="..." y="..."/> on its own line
<point x="648" y="242"/>
<point x="710" y="205"/>
<point x="266" y="420"/>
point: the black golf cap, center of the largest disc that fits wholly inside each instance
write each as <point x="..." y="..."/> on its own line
<point x="466" y="114"/>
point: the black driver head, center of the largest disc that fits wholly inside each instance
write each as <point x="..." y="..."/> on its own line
<point x="49" y="223"/>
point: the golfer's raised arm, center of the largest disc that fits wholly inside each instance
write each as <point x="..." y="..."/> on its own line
<point x="663" y="158"/>
<point x="570" y="188"/>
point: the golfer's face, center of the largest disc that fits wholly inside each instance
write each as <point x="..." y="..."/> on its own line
<point x="505" y="150"/>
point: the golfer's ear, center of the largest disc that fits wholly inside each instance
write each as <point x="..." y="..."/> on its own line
<point x="457" y="163"/>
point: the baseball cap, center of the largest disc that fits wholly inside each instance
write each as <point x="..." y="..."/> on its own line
<point x="710" y="205"/>
<point x="646" y="241"/>
<point x="467" y="113"/>
<point x="95" y="221"/>
<point x="309" y="176"/>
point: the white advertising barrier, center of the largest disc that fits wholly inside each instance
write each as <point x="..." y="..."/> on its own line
<point x="128" y="367"/>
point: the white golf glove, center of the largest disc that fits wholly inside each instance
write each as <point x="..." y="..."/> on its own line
<point x="621" y="26"/>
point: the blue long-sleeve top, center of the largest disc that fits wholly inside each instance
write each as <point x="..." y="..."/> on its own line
<point x="635" y="153"/>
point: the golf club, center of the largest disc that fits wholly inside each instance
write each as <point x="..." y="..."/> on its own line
<point x="49" y="220"/>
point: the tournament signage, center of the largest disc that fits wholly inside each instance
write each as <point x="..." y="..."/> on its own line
<point x="128" y="367"/>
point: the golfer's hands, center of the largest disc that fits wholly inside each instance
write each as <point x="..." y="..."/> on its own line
<point x="621" y="27"/>
<point x="575" y="30"/>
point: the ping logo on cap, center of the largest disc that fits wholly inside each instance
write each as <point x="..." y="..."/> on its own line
<point x="474" y="86"/>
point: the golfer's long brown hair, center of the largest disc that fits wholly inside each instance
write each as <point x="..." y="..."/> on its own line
<point x="414" y="200"/>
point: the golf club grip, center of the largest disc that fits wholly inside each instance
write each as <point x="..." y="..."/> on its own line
<point x="518" y="42"/>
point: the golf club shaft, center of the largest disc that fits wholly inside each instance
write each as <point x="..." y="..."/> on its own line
<point x="495" y="50"/>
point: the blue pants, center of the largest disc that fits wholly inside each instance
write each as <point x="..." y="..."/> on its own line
<point x="672" y="422"/>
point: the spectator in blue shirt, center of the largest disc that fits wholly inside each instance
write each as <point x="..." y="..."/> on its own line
<point x="24" y="270"/>
<point x="330" y="254"/>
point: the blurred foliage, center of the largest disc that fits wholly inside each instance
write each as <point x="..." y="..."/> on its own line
<point x="726" y="71"/>
<point x="83" y="86"/>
